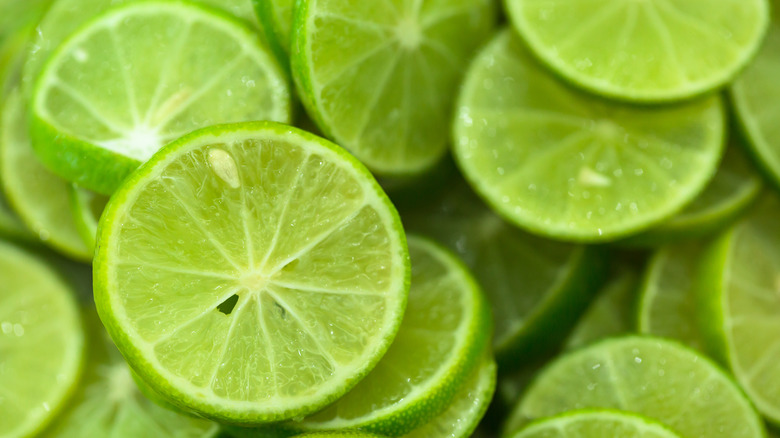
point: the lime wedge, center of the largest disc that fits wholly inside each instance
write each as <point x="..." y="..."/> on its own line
<point x="537" y="288"/>
<point x="596" y="423"/>
<point x="752" y="95"/>
<point x="39" y="197"/>
<point x="667" y="303"/>
<point x="279" y="263"/>
<point x="649" y="50"/>
<point x="379" y="77"/>
<point x="565" y="165"/>
<point x="122" y="86"/>
<point x="108" y="403"/>
<point x="739" y="290"/>
<point x="276" y="18"/>
<point x="86" y="207"/>
<point x="653" y="377"/>
<point x="733" y="189"/>
<point x="41" y="343"/>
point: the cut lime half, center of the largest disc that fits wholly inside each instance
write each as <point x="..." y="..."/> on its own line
<point x="280" y="266"/>
<point x="142" y="75"/>
<point x="596" y="423"/>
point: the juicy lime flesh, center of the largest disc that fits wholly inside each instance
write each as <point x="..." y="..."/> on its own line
<point x="146" y="74"/>
<point x="649" y="50"/>
<point x="650" y="376"/>
<point x="667" y="305"/>
<point x="379" y="77"/>
<point x="596" y="424"/>
<point x="753" y="93"/>
<point x="38" y="196"/>
<point x="565" y="165"/>
<point x="279" y="267"/>
<point x="41" y="343"/>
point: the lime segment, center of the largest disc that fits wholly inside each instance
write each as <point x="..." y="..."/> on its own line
<point x="596" y="424"/>
<point x="565" y="165"/>
<point x="653" y="50"/>
<point x="41" y="343"/>
<point x="279" y="263"/>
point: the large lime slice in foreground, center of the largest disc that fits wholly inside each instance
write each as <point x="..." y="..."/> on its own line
<point x="142" y="75"/>
<point x="649" y="50"/>
<point x="596" y="423"/>
<point x="251" y="272"/>
<point x="569" y="166"/>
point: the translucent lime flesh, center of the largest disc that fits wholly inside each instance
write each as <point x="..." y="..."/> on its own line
<point x="279" y="265"/>
<point x="650" y="376"/>
<point x="653" y="50"/>
<point x="596" y="424"/>
<point x="569" y="166"/>
<point x="379" y="77"/>
<point x="41" y="343"/>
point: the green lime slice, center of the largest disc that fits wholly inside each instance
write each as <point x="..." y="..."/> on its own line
<point x="557" y="279"/>
<point x="276" y="18"/>
<point x="339" y="434"/>
<point x="740" y="304"/>
<point x="41" y="343"/>
<point x="596" y="423"/>
<point x="653" y="377"/>
<point x="569" y="166"/>
<point x="86" y="207"/>
<point x="108" y="403"/>
<point x="733" y="189"/>
<point x="380" y="77"/>
<point x="11" y="226"/>
<point x="279" y="263"/>
<point x="467" y="407"/>
<point x="752" y="95"/>
<point x="650" y="51"/>
<point x="122" y="86"/>
<point x="667" y="302"/>
<point x="39" y="197"/>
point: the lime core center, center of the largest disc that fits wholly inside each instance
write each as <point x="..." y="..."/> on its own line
<point x="409" y="33"/>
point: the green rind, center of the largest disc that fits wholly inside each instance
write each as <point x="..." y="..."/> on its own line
<point x="84" y="217"/>
<point x="140" y="365"/>
<point x="557" y="425"/>
<point x="266" y="13"/>
<point x="709" y="290"/>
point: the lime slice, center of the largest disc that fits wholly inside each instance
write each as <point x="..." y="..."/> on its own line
<point x="565" y="165"/>
<point x="39" y="197"/>
<point x="653" y="377"/>
<point x="280" y="265"/>
<point x="752" y="95"/>
<point x="733" y="189"/>
<point x="667" y="303"/>
<point x="596" y="423"/>
<point x="739" y="290"/>
<point x="41" y="343"/>
<point x="86" y="207"/>
<point x="379" y="77"/>
<point x="276" y="17"/>
<point x="655" y="50"/>
<point x="466" y="409"/>
<point x="557" y="279"/>
<point x="339" y="434"/>
<point x="121" y="87"/>
<point x="10" y="225"/>
<point x="108" y="403"/>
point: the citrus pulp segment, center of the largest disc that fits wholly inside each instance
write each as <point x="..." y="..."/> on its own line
<point x="653" y="377"/>
<point x="41" y="343"/>
<point x="667" y="299"/>
<point x="596" y="423"/>
<point x="142" y="75"/>
<point x="753" y="94"/>
<point x="739" y="302"/>
<point x="569" y="166"/>
<point x="39" y="197"/>
<point x="86" y="207"/>
<point x="536" y="287"/>
<point x="379" y="77"/>
<point x="648" y="50"/>
<point x="280" y="266"/>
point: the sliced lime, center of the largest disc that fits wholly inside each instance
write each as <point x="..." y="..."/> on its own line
<point x="653" y="377"/>
<point x="565" y="165"/>
<point x="667" y="303"/>
<point x="380" y="77"/>
<point x="739" y="306"/>
<point x="41" y="343"/>
<point x="596" y="423"/>
<point x="648" y="50"/>
<point x="10" y="224"/>
<point x="276" y="18"/>
<point x="537" y="288"/>
<point x="122" y="86"/>
<point x="39" y="197"/>
<point x="339" y="434"/>
<point x="280" y="266"/>
<point x="86" y="207"/>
